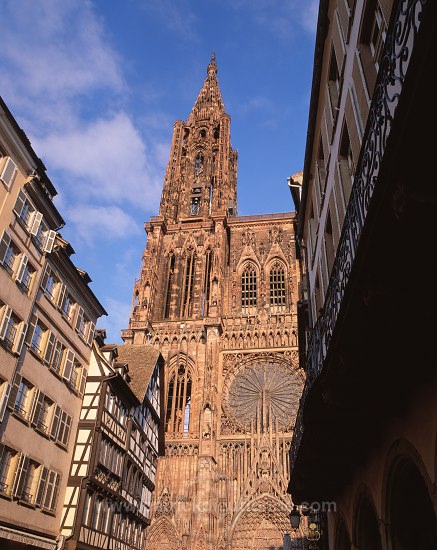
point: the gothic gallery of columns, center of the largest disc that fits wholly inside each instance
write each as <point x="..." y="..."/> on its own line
<point x="217" y="296"/>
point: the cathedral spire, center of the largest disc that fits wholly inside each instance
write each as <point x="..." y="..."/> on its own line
<point x="201" y="176"/>
<point x="209" y="103"/>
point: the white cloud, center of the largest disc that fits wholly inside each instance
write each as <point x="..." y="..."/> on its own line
<point x="117" y="320"/>
<point x="105" y="159"/>
<point x="281" y="16"/>
<point x="176" y="16"/>
<point x="104" y="221"/>
<point x="309" y="16"/>
<point x="66" y="84"/>
<point x="62" y="48"/>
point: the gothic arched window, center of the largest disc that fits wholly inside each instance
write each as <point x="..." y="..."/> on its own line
<point x="170" y="277"/>
<point x="207" y="282"/>
<point x="179" y="400"/>
<point x="277" y="286"/>
<point x="198" y="167"/>
<point x="248" y="288"/>
<point x="188" y="289"/>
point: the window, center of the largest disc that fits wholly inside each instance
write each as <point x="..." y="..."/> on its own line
<point x="372" y="38"/>
<point x="29" y="481"/>
<point x="16" y="263"/>
<point x="84" y="326"/>
<point x="168" y="291"/>
<point x="8" y="460"/>
<point x="377" y="35"/>
<point x="5" y="389"/>
<point x="43" y="413"/>
<point x="55" y="362"/>
<point x="334" y="83"/>
<point x="12" y="329"/>
<point x="68" y="307"/>
<point x="195" y="206"/>
<point x="329" y="244"/>
<point x="9" y="254"/>
<point x="178" y="402"/>
<point x="346" y="164"/>
<point x="248" y="288"/>
<point x="38" y="336"/>
<point x="26" y="213"/>
<point x="8" y="170"/>
<point x="64" y="429"/>
<point x="198" y="167"/>
<point x="23" y="400"/>
<point x="50" y="490"/>
<point x="187" y="298"/>
<point x="207" y="283"/>
<point x="44" y="238"/>
<point x="25" y="275"/>
<point x="51" y="285"/>
<point x="277" y="287"/>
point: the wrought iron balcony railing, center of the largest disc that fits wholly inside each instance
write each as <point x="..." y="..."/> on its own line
<point x="398" y="49"/>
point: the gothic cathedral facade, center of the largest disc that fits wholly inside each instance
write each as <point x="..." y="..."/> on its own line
<point x="217" y="296"/>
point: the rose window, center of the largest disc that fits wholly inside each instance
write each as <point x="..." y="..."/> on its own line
<point x="264" y="394"/>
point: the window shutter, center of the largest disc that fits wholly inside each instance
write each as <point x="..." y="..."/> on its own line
<point x="45" y="278"/>
<point x="41" y="486"/>
<point x="4" y="400"/>
<point x="19" y="273"/>
<point x="79" y="318"/>
<point x="20" y="476"/>
<point x="49" y="241"/>
<point x="82" y="382"/>
<point x="51" y="339"/>
<point x="31" y="329"/>
<point x="5" y="321"/>
<point x="19" y="203"/>
<point x="8" y="172"/>
<point x="35" y="223"/>
<point x="14" y="391"/>
<point x="55" y="422"/>
<point x="4" y="245"/>
<point x="37" y="404"/>
<point x="61" y="295"/>
<point x="19" y="338"/>
<point x="51" y="492"/>
<point x="68" y="364"/>
<point x="67" y="427"/>
<point x="91" y="330"/>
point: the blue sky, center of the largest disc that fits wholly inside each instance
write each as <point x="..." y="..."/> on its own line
<point x="97" y="85"/>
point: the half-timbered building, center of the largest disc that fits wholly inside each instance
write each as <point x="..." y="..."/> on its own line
<point x="113" y="471"/>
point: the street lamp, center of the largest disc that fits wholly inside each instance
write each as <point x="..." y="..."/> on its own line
<point x="295" y="518"/>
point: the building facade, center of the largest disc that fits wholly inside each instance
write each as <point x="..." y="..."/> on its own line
<point x="47" y="319"/>
<point x="216" y="296"/>
<point x="112" y="477"/>
<point x="365" y="437"/>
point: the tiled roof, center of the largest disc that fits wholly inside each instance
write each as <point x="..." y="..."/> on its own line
<point x="141" y="360"/>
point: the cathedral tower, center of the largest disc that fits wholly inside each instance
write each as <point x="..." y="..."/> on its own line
<point x="216" y="295"/>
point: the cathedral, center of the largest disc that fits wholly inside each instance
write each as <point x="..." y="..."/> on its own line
<point x="217" y="297"/>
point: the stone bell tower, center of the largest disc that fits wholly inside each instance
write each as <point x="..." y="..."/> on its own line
<point x="216" y="295"/>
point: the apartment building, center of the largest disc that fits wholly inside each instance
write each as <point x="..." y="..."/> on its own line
<point x="365" y="434"/>
<point x="47" y="320"/>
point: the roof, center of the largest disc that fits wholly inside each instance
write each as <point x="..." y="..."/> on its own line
<point x="142" y="361"/>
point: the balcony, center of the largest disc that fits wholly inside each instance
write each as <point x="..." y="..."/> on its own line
<point x="373" y="295"/>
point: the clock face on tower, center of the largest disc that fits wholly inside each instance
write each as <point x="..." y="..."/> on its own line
<point x="263" y="393"/>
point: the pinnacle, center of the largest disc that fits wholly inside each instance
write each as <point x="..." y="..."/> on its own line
<point x="209" y="103"/>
